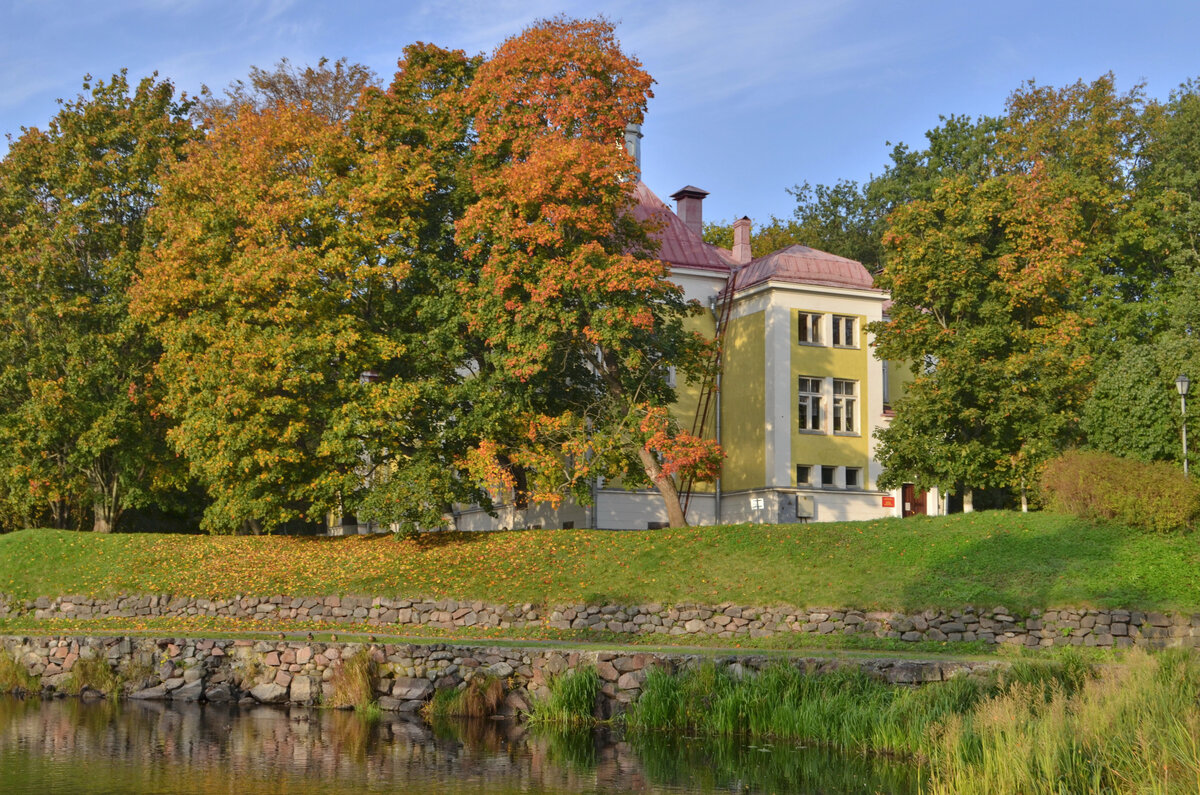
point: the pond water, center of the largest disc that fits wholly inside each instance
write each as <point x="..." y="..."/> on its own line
<point x="72" y="746"/>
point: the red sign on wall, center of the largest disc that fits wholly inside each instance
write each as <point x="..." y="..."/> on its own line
<point x="889" y="502"/>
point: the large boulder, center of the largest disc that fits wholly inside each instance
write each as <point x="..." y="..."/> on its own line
<point x="269" y="693"/>
<point x="409" y="689"/>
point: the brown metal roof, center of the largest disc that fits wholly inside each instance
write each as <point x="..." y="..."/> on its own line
<point x="804" y="265"/>
<point x="678" y="245"/>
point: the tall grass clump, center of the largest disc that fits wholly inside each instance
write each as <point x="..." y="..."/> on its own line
<point x="481" y="697"/>
<point x="353" y="682"/>
<point x="845" y="708"/>
<point x="1132" y="728"/>
<point x="14" y="677"/>
<point x="571" y="701"/>
<point x="92" y="673"/>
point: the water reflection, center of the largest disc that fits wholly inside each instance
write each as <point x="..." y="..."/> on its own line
<point x="72" y="746"/>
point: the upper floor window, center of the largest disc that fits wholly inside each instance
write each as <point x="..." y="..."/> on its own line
<point x="810" y="403"/>
<point x="810" y="328"/>
<point x="845" y="398"/>
<point x="843" y="331"/>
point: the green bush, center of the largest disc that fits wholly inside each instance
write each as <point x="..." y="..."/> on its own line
<point x="1150" y="496"/>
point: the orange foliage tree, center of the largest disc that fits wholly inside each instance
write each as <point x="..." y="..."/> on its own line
<point x="579" y="321"/>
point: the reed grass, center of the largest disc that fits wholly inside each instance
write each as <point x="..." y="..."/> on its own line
<point x="1038" y="727"/>
<point x="15" y="677"/>
<point x="571" y="700"/>
<point x="92" y="673"/>
<point x="1133" y="728"/>
<point x="353" y="682"/>
<point x="481" y="697"/>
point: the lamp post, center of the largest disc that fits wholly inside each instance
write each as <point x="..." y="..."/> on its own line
<point x="1182" y="383"/>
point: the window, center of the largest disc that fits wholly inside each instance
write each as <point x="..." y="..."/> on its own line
<point x="810" y="403"/>
<point x="853" y="477"/>
<point x="828" y="476"/>
<point x="810" y="328"/>
<point x="803" y="475"/>
<point x="887" y="390"/>
<point x="843" y="405"/>
<point x="843" y="332"/>
<point x="757" y="503"/>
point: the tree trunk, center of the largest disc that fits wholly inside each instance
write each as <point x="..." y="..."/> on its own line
<point x="102" y="516"/>
<point x="1024" y="498"/>
<point x="665" y="486"/>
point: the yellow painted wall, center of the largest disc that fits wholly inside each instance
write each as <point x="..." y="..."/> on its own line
<point x="687" y="393"/>
<point x="823" y="361"/>
<point x="743" y="403"/>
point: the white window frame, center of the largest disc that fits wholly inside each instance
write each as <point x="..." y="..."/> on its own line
<point x="833" y="479"/>
<point x="810" y="404"/>
<point x="842" y="417"/>
<point x="857" y="476"/>
<point x="808" y="481"/>
<point x="808" y="326"/>
<point x="845" y="331"/>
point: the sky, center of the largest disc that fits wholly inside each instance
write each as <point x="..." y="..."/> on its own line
<point x="751" y="97"/>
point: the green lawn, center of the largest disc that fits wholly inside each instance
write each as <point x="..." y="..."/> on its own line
<point x="986" y="559"/>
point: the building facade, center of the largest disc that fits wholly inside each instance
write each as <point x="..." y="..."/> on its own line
<point x="799" y="394"/>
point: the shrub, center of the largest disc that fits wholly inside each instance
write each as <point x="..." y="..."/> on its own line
<point x="1149" y="496"/>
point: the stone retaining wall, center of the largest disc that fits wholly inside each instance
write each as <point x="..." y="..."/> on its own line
<point x="408" y="675"/>
<point x="1077" y="627"/>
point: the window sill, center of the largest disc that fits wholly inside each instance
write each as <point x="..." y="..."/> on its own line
<point x="811" y="432"/>
<point x="850" y="434"/>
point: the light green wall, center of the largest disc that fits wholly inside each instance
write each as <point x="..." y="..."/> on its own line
<point x="900" y="375"/>
<point x="743" y="403"/>
<point x="823" y="361"/>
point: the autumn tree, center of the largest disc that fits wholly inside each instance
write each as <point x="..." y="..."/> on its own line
<point x="579" y="320"/>
<point x="78" y="429"/>
<point x="288" y="293"/>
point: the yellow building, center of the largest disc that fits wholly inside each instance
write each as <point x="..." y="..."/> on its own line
<point x="799" y="394"/>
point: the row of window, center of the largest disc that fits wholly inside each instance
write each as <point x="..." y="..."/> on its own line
<point x="842" y="330"/>
<point x="811" y="409"/>
<point x="827" y="477"/>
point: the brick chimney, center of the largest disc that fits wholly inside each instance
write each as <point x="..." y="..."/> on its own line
<point x="688" y="200"/>
<point x="741" y="241"/>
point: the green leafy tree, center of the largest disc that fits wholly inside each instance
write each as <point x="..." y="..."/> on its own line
<point x="78" y="427"/>
<point x="287" y="243"/>
<point x="1134" y="409"/>
<point x="1005" y="284"/>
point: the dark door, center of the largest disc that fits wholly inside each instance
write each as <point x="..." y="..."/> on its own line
<point x="914" y="501"/>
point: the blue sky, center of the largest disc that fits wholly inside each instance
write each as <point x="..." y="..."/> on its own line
<point x="751" y="97"/>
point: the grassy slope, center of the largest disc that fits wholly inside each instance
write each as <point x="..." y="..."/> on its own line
<point x="986" y="559"/>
